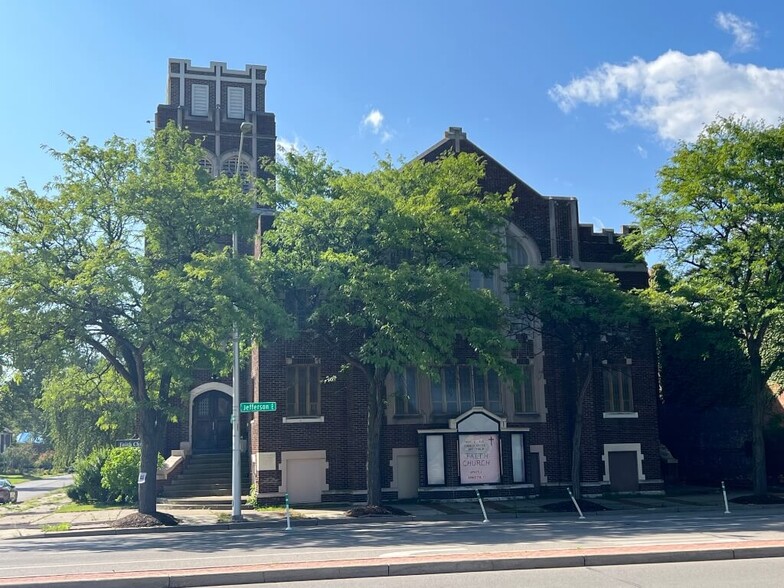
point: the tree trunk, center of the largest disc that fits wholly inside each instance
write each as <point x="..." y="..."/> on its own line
<point x="759" y="404"/>
<point x="375" y="417"/>
<point x="583" y="382"/>
<point x="148" y="490"/>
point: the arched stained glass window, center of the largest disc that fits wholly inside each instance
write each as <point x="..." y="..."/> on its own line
<point x="518" y="256"/>
<point x="229" y="168"/>
<point x="206" y="164"/>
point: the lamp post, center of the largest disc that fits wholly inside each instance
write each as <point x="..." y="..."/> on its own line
<point x="236" y="454"/>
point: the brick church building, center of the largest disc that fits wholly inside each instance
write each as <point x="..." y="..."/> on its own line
<point x="442" y="438"/>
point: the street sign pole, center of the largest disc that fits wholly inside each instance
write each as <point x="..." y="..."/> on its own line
<point x="236" y="463"/>
<point x="236" y="454"/>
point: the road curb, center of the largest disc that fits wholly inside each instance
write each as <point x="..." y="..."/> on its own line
<point x="324" y="571"/>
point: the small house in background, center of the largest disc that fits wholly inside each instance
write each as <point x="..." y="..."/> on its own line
<point x="6" y="437"/>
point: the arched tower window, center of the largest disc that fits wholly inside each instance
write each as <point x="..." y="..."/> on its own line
<point x="229" y="167"/>
<point x="206" y="164"/>
<point x="230" y="164"/>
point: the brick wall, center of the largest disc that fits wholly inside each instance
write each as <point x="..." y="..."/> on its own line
<point x="344" y="404"/>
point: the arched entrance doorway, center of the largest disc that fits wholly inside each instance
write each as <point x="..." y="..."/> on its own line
<point x="211" y="422"/>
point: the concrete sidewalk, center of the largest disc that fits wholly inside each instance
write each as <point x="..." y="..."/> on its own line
<point x="46" y="516"/>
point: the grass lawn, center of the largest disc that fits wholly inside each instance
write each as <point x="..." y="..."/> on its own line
<point x="56" y="527"/>
<point x="74" y="507"/>
<point x="19" y="478"/>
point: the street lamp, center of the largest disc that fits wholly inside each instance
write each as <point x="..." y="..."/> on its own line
<point x="236" y="462"/>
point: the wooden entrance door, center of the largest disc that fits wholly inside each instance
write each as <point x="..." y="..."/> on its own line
<point x="211" y="418"/>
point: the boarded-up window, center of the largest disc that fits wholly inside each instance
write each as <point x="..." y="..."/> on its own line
<point x="434" y="446"/>
<point x="518" y="459"/>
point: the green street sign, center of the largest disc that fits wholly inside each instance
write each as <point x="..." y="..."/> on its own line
<point x="258" y="406"/>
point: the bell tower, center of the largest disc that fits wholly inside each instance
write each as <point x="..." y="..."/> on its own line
<point x="212" y="102"/>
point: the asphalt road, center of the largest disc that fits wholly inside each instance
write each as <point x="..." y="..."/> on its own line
<point x="375" y="542"/>
<point x="759" y="573"/>
<point x="37" y="488"/>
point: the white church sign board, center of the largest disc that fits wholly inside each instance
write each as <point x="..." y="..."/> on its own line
<point x="480" y="461"/>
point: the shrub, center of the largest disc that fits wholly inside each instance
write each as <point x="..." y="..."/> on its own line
<point x="253" y="496"/>
<point x="87" y="478"/>
<point x="120" y="474"/>
<point x="19" y="458"/>
<point x="44" y="460"/>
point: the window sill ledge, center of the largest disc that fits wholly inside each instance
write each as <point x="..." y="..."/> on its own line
<point x="303" y="419"/>
<point x="620" y="415"/>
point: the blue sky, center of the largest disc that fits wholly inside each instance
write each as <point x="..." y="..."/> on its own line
<point x="577" y="98"/>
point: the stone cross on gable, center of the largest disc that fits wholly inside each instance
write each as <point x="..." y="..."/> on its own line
<point x="457" y="135"/>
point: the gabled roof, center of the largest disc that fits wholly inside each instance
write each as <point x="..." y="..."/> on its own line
<point x="456" y="140"/>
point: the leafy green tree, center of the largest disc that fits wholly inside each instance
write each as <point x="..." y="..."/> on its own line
<point x="21" y="378"/>
<point x="700" y="364"/>
<point x="19" y="458"/>
<point x="718" y="221"/>
<point x="377" y="265"/>
<point x="17" y="408"/>
<point x="120" y="258"/>
<point x="85" y="407"/>
<point x="576" y="309"/>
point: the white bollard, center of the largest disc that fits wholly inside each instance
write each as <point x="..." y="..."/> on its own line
<point x="726" y="504"/>
<point x="577" y="506"/>
<point x="288" y="513"/>
<point x="482" y="504"/>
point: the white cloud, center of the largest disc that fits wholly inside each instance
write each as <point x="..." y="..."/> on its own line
<point x="598" y="224"/>
<point x="676" y="94"/>
<point x="642" y="152"/>
<point x="373" y="119"/>
<point x="743" y="31"/>
<point x="287" y="146"/>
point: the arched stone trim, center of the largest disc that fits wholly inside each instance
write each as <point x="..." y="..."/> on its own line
<point x="528" y="244"/>
<point x="209" y="158"/>
<point x="198" y="391"/>
<point x="245" y="160"/>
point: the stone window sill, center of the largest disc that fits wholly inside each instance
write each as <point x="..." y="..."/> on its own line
<point x="303" y="419"/>
<point x="620" y="415"/>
